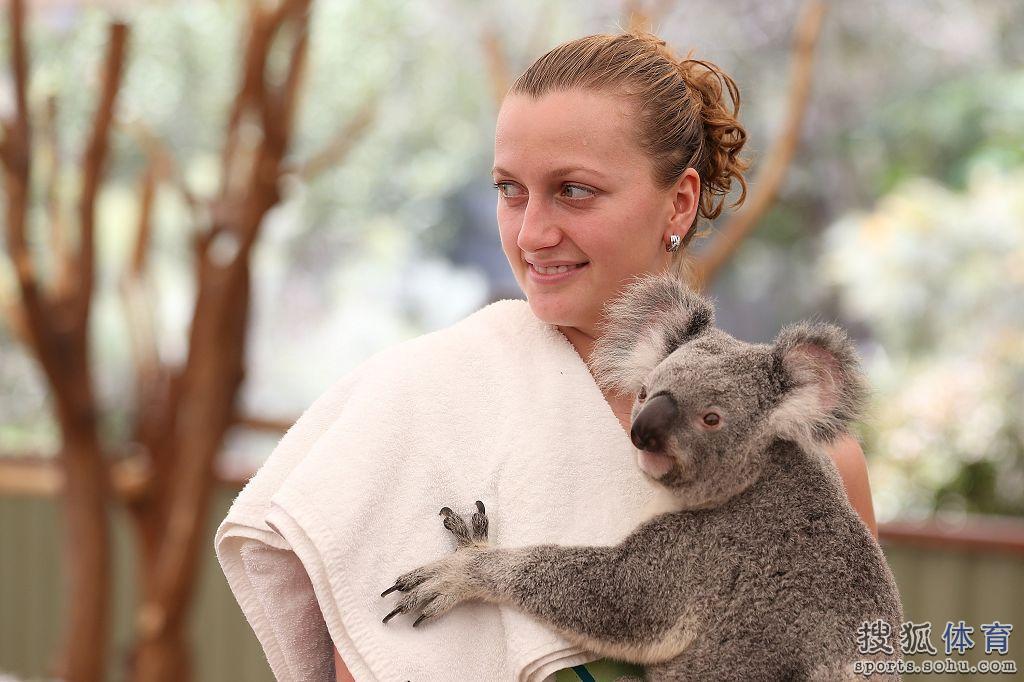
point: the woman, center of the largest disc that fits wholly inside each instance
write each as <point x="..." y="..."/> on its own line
<point x="607" y="150"/>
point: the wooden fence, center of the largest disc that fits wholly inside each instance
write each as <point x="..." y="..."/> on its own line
<point x="973" y="573"/>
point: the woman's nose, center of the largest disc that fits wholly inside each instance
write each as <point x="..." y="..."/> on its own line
<point x="538" y="231"/>
<point x="652" y="423"/>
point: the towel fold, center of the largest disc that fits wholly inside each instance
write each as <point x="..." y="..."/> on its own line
<point x="498" y="407"/>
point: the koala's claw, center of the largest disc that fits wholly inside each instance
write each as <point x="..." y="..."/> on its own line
<point x="408" y="581"/>
<point x="438" y="587"/>
<point x="434" y="591"/>
<point x="409" y="603"/>
<point x="480" y="523"/>
<point x="462" y="532"/>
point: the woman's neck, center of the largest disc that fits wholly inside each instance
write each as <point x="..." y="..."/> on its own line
<point x="580" y="340"/>
<point x="621" y="405"/>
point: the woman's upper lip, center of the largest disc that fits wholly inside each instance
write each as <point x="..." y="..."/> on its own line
<point x="556" y="263"/>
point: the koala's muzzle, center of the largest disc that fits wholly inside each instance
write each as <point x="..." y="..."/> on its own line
<point x="651" y="426"/>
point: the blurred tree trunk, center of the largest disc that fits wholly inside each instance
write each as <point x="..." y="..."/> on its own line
<point x="186" y="413"/>
<point x="183" y="412"/>
<point x="54" y="320"/>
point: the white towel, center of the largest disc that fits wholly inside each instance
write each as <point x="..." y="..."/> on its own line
<point x="498" y="407"/>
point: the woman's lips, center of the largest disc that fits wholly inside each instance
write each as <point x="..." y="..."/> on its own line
<point x="542" y="278"/>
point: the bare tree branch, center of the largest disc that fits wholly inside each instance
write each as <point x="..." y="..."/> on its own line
<point x="635" y="16"/>
<point x="773" y="169"/>
<point x="286" y="96"/>
<point x="93" y="165"/>
<point x="340" y="143"/>
<point x="200" y="404"/>
<point x="61" y="285"/>
<point x="498" y="65"/>
<point x="136" y="296"/>
<point x="497" y="62"/>
<point x="55" y="322"/>
<point x="15" y="155"/>
<point x="539" y="34"/>
<point x="19" y="63"/>
<point x="164" y="161"/>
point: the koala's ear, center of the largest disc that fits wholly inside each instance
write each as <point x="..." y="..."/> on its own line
<point x="822" y="386"/>
<point x="654" y="315"/>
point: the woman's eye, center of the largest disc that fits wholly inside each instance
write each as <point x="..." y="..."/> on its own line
<point x="589" y="192"/>
<point x="502" y="189"/>
<point x="571" y="192"/>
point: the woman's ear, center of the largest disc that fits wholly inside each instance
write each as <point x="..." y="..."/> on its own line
<point x="652" y="316"/>
<point x="822" y="387"/>
<point x="685" y="202"/>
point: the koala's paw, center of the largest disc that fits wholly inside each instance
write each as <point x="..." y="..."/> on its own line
<point x="438" y="587"/>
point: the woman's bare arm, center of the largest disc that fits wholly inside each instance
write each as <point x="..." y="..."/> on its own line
<point x="341" y="672"/>
<point x="849" y="459"/>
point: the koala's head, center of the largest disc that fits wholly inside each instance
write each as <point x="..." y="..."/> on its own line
<point x="707" y="405"/>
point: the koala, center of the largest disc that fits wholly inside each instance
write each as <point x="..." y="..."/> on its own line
<point x="759" y="569"/>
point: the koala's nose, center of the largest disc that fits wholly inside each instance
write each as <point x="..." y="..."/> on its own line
<point x="652" y="423"/>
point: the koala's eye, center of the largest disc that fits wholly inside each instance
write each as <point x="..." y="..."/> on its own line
<point x="642" y="394"/>
<point x="712" y="419"/>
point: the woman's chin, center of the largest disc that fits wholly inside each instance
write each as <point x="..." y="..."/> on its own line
<point x="561" y="310"/>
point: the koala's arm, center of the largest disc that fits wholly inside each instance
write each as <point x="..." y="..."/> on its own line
<point x="601" y="598"/>
<point x="848" y="457"/>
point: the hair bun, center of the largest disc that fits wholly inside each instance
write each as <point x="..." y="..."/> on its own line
<point x="718" y="162"/>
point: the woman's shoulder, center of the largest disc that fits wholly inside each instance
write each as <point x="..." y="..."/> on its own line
<point x="502" y="318"/>
<point x="498" y="328"/>
<point x="501" y="322"/>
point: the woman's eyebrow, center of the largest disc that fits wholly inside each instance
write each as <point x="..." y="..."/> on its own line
<point x="565" y="170"/>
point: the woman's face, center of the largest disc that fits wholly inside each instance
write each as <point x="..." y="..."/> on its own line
<point x="574" y="187"/>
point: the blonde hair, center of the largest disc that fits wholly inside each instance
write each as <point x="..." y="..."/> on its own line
<point x="682" y="118"/>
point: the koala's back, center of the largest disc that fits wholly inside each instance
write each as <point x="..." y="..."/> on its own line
<point x="774" y="584"/>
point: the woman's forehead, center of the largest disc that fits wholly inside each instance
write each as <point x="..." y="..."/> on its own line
<point x="561" y="129"/>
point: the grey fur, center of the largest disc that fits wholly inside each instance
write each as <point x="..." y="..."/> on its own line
<point x="761" y="570"/>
